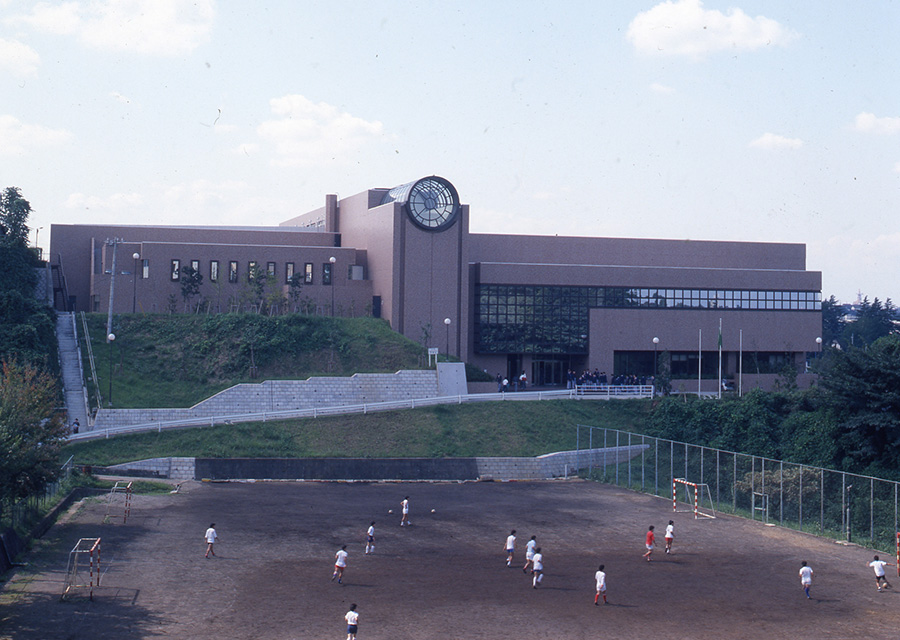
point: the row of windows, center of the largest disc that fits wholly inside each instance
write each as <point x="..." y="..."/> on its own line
<point x="501" y="298"/>
<point x="554" y="320"/>
<point x="254" y="270"/>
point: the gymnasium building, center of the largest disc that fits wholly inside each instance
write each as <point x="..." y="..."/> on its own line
<point x="505" y="303"/>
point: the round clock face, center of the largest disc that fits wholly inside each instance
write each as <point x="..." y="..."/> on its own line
<point x="433" y="203"/>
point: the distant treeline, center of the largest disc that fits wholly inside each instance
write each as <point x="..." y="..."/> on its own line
<point x="849" y="421"/>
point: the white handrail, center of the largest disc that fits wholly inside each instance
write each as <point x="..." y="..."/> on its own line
<point x="317" y="412"/>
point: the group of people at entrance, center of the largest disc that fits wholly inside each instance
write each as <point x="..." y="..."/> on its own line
<point x="519" y="383"/>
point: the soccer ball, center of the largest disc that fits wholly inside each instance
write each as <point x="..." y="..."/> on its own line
<point x="390" y="511"/>
<point x="432" y="511"/>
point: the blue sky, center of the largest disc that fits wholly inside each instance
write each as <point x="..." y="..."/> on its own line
<point x="747" y="120"/>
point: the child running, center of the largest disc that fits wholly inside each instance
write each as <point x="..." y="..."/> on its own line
<point x="806" y="574"/>
<point x="529" y="553"/>
<point x="651" y="537"/>
<point x="538" y="568"/>
<point x="880" y="577"/>
<point x="600" y="577"/>
<point x="670" y="536"/>
<point x="340" y="563"/>
<point x="370" y="539"/>
<point x="510" y="547"/>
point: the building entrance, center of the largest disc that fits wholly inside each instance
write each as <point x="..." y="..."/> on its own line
<point x="549" y="372"/>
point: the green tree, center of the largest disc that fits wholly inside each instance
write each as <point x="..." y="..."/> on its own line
<point x="191" y="279"/>
<point x="874" y="320"/>
<point x="30" y="430"/>
<point x="14" y="212"/>
<point x="833" y="323"/>
<point x="862" y="386"/>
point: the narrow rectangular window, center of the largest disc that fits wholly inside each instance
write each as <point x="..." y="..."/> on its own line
<point x="213" y="270"/>
<point x="145" y="269"/>
<point x="251" y="270"/>
<point x="174" y="272"/>
<point x="270" y="269"/>
<point x="288" y="272"/>
<point x="308" y="273"/>
<point x="195" y="265"/>
<point x="233" y="271"/>
<point x="326" y="272"/>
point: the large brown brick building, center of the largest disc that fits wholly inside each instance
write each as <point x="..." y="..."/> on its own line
<point x="506" y="303"/>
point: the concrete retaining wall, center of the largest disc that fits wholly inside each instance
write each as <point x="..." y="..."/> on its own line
<point x="337" y="468"/>
<point x="285" y="395"/>
<point x="551" y="465"/>
<point x="174" y="468"/>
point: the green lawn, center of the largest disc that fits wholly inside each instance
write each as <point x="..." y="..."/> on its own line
<point x="177" y="360"/>
<point x="486" y="429"/>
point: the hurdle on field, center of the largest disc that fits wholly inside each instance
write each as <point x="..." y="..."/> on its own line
<point x="75" y="566"/>
<point x="698" y="488"/>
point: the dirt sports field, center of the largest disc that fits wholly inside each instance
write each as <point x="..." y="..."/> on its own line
<point x="443" y="577"/>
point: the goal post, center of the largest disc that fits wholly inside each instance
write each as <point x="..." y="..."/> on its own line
<point x="83" y="568"/>
<point x="697" y="495"/>
<point x="113" y="503"/>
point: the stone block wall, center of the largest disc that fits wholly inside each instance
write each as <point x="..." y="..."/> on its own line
<point x="174" y="468"/>
<point x="285" y="395"/>
<point x="552" y="465"/>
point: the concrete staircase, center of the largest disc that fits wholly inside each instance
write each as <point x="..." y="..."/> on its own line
<point x="70" y="365"/>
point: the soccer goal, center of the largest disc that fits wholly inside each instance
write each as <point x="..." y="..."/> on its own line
<point x="116" y="507"/>
<point x="83" y="569"/>
<point x="696" y="495"/>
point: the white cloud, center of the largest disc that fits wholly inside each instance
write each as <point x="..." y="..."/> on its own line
<point x="118" y="96"/>
<point x="306" y="133"/>
<point x="774" y="141"/>
<point x="199" y="194"/>
<point x="156" y="27"/>
<point x="117" y="202"/>
<point x="17" y="137"/>
<point x="897" y="168"/>
<point x="18" y="58"/>
<point x="869" y="123"/>
<point x="660" y="88"/>
<point x="686" y="28"/>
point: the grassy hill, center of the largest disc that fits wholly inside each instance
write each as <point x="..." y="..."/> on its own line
<point x="177" y="360"/>
<point x="484" y="429"/>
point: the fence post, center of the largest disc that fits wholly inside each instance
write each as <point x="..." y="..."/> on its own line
<point x="781" y="493"/>
<point x="753" y="487"/>
<point x="629" y="460"/>
<point x="656" y="466"/>
<point x="617" y="457"/>
<point x="822" y="502"/>
<point x="800" y="499"/>
<point x="642" y="462"/>
<point x="872" y="509"/>
<point x="734" y="485"/>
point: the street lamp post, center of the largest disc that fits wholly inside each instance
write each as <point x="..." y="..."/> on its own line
<point x="447" y="324"/>
<point x="110" y="338"/>
<point x="332" y="260"/>
<point x="655" y="362"/>
<point x="134" y="276"/>
<point x="819" y="343"/>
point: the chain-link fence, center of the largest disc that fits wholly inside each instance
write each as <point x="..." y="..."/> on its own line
<point x="820" y="501"/>
<point x="30" y="509"/>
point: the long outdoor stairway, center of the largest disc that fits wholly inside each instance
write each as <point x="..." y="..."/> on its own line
<point x="70" y="364"/>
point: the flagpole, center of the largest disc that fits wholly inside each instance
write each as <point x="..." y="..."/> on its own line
<point x="699" y="360"/>
<point x="720" y="359"/>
